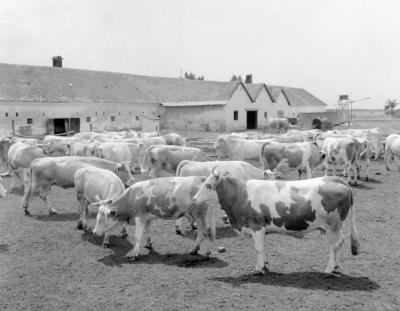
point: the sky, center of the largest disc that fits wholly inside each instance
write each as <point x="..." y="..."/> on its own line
<point x="327" y="47"/>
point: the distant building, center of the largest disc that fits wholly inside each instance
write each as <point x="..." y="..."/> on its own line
<point x="36" y="100"/>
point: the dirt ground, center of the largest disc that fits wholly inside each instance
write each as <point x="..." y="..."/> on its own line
<point x="47" y="264"/>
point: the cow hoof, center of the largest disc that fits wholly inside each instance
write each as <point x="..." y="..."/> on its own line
<point x="124" y="236"/>
<point x="79" y="226"/>
<point x="53" y="213"/>
<point x="178" y="231"/>
<point x="194" y="252"/>
<point x="26" y="212"/>
<point x="88" y="230"/>
<point x="105" y="245"/>
<point x="366" y="178"/>
<point x="132" y="258"/>
<point x="149" y="245"/>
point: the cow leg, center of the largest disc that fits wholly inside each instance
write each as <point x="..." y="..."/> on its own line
<point x="140" y="226"/>
<point x="258" y="238"/>
<point x="44" y="195"/>
<point x="28" y="196"/>
<point x="336" y="241"/>
<point x="387" y="159"/>
<point x="352" y="178"/>
<point x="147" y="229"/>
<point x="308" y="171"/>
<point x="26" y="177"/>
<point x="367" y="167"/>
<point x="82" y="211"/>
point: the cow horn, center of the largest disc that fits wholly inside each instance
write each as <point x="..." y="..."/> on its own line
<point x="215" y="171"/>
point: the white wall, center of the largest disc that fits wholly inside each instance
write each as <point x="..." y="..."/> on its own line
<point x="100" y="114"/>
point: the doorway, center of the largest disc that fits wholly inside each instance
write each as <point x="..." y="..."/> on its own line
<point x="63" y="125"/>
<point x="251" y="120"/>
<point x="60" y="126"/>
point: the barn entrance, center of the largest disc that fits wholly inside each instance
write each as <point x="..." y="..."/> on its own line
<point x="63" y="125"/>
<point x="251" y="120"/>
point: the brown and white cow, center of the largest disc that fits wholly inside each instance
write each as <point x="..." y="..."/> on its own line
<point x="94" y="184"/>
<point x="239" y="169"/>
<point x="392" y="150"/>
<point x="239" y="149"/>
<point x="374" y="137"/>
<point x="166" y="198"/>
<point x="60" y="171"/>
<point x="303" y="156"/>
<point x="164" y="160"/>
<point x="293" y="208"/>
<point x="342" y="151"/>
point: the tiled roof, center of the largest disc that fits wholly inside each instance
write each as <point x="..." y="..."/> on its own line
<point x="195" y="103"/>
<point x="50" y="84"/>
<point x="295" y="96"/>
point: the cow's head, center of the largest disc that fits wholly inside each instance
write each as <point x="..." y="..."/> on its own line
<point x="269" y="175"/>
<point x="124" y="173"/>
<point x="3" y="191"/>
<point x="105" y="220"/>
<point x="207" y="189"/>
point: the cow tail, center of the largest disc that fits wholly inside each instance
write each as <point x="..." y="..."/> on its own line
<point x="355" y="243"/>
<point x="181" y="165"/>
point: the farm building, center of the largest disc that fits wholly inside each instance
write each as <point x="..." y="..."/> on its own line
<point x="37" y="100"/>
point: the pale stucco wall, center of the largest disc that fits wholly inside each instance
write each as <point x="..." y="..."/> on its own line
<point x="282" y="105"/>
<point x="100" y="114"/>
<point x="205" y="118"/>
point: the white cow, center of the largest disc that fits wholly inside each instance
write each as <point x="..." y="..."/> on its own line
<point x="392" y="150"/>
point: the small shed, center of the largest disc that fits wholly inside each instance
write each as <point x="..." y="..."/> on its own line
<point x="150" y="123"/>
<point x="321" y="124"/>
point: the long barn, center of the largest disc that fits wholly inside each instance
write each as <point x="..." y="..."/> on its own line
<point x="38" y="100"/>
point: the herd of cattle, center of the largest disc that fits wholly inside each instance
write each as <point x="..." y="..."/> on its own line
<point x="186" y="182"/>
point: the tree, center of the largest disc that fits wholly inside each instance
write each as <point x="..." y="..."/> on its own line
<point x="390" y="104"/>
<point x="192" y="76"/>
<point x="236" y="78"/>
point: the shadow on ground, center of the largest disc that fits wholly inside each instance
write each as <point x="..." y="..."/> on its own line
<point x="57" y="217"/>
<point x="121" y="247"/>
<point x="304" y="280"/>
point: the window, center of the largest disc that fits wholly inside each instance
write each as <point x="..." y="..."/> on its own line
<point x="17" y="114"/>
<point x="6" y="114"/>
<point x="29" y="121"/>
<point x="137" y="118"/>
<point x="236" y="115"/>
<point x="88" y="119"/>
<point x="112" y="118"/>
<point x="265" y="114"/>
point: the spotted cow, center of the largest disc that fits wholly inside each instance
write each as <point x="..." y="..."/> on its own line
<point x="166" y="198"/>
<point x="342" y="151"/>
<point x="293" y="208"/>
<point x="304" y="156"/>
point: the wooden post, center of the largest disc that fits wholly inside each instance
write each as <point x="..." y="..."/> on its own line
<point x="13" y="127"/>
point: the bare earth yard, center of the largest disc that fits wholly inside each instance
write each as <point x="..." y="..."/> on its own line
<point x="47" y="264"/>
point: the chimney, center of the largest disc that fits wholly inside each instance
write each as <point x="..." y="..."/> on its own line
<point x="249" y="79"/>
<point x="57" y="61"/>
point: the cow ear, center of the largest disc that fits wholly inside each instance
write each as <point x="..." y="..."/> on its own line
<point x="119" y="167"/>
<point x="113" y="213"/>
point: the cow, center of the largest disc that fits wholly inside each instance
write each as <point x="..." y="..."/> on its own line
<point x="149" y="134"/>
<point x="342" y="150"/>
<point x="119" y="152"/>
<point x="175" y="139"/>
<point x="392" y="150"/>
<point x="20" y="156"/>
<point x="60" y="171"/>
<point x="3" y="191"/>
<point x="81" y="149"/>
<point x="94" y="184"/>
<point x="238" y="169"/>
<point x="52" y="139"/>
<point x="238" y="149"/>
<point x="165" y="159"/>
<point x="374" y="137"/>
<point x="166" y="198"/>
<point x="303" y="156"/>
<point x="293" y="208"/>
<point x="4" y="146"/>
<point x="278" y="123"/>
